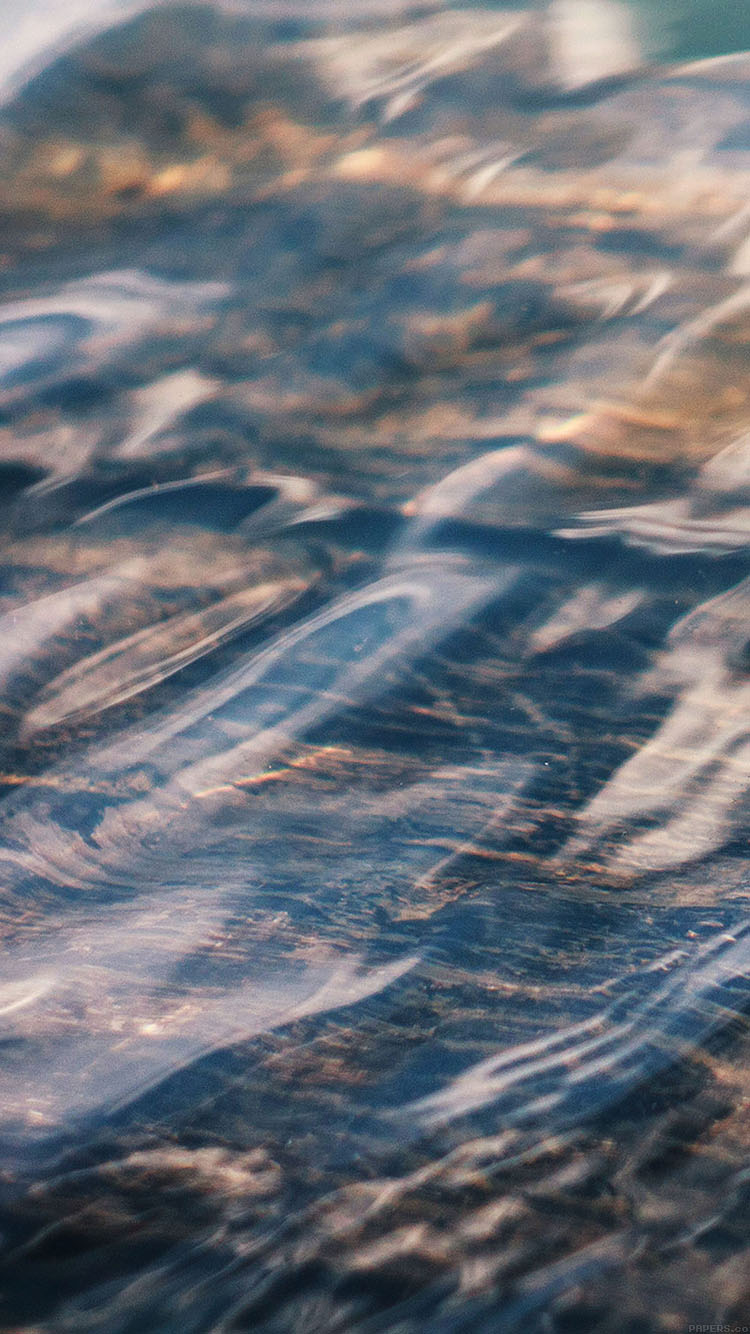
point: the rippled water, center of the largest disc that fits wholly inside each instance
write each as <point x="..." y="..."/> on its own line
<point x="374" y="591"/>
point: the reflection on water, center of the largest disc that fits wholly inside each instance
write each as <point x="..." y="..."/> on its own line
<point x="374" y="660"/>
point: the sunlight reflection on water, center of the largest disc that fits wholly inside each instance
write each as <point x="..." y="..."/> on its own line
<point x="374" y="661"/>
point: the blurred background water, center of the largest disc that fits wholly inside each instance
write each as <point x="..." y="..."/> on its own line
<point x="692" y="30"/>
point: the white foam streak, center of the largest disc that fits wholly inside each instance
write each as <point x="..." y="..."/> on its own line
<point x="593" y="607"/>
<point x="395" y="66"/>
<point x="35" y="34"/>
<point x="620" y="296"/>
<point x="591" y="1064"/>
<point x="88" y="323"/>
<point x="592" y="41"/>
<point x="696" y="767"/>
<point x="431" y="601"/>
<point x="102" y="1017"/>
<point x="25" y="630"/>
<point x="160" y="404"/>
<point x="680" y="340"/>
<point x="141" y="660"/>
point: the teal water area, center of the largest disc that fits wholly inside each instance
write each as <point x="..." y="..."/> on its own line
<point x="695" y="29"/>
<point x="686" y="29"/>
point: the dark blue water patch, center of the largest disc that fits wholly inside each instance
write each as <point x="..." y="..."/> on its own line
<point x="83" y="394"/>
<point x="17" y="477"/>
<point x="214" y="504"/>
<point x="635" y="241"/>
<point x="366" y="529"/>
<point x="356" y="226"/>
<point x="680" y="574"/>
<point x="59" y="505"/>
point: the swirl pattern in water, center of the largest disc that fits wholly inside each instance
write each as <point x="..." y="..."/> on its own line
<point x="375" y="455"/>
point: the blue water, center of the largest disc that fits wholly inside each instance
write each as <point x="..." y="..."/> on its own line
<point x="374" y="601"/>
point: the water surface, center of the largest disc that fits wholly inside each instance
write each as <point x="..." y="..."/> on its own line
<point x="374" y="598"/>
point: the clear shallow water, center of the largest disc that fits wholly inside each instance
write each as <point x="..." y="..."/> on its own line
<point x="374" y="663"/>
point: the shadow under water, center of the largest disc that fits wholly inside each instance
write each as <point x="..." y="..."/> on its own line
<point x="374" y="592"/>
